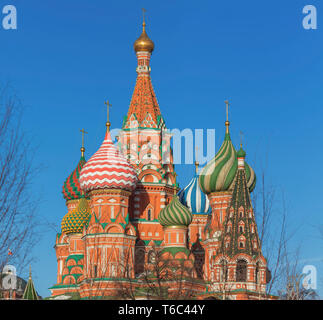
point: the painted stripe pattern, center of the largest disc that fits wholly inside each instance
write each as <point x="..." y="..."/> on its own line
<point x="108" y="168"/>
<point x="71" y="187"/>
<point x="193" y="197"/>
<point x="220" y="172"/>
<point x="175" y="214"/>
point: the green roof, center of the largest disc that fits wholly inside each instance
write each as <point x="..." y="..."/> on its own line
<point x="30" y="291"/>
<point x="174" y="250"/>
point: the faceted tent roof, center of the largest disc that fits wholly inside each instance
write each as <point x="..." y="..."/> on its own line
<point x="144" y="108"/>
<point x="240" y="212"/>
<point x="30" y="291"/>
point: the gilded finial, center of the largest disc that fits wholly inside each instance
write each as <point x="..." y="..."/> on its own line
<point x="143" y="43"/>
<point x="196" y="160"/>
<point x="108" y="124"/>
<point x="241" y="137"/>
<point x="143" y="20"/>
<point x="82" y="148"/>
<point x="227" y="123"/>
<point x="29" y="271"/>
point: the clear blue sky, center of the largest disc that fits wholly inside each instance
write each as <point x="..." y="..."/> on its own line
<point x="67" y="57"/>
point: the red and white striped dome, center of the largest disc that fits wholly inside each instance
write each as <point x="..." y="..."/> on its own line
<point x="108" y="168"/>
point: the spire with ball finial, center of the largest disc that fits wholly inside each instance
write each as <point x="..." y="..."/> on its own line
<point x="143" y="43"/>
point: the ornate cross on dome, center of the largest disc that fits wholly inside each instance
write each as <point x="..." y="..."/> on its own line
<point x="227" y="108"/>
<point x="196" y="159"/>
<point x="108" y="114"/>
<point x="227" y="123"/>
<point x="143" y="17"/>
<point x="82" y="148"/>
<point x="241" y="137"/>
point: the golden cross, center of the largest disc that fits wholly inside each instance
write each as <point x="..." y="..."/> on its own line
<point x="108" y="114"/>
<point x="227" y="107"/>
<point x="196" y="159"/>
<point x="143" y="14"/>
<point x="82" y="148"/>
<point x="241" y="136"/>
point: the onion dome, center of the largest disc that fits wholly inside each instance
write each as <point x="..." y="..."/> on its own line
<point x="75" y="219"/>
<point x="219" y="173"/>
<point x="143" y="43"/>
<point x="108" y="169"/>
<point x="71" y="187"/>
<point x="193" y="197"/>
<point x="241" y="153"/>
<point x="175" y="214"/>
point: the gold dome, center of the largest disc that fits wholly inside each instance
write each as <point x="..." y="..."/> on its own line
<point x="143" y="43"/>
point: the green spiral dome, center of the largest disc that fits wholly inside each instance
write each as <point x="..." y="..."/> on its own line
<point x="74" y="220"/>
<point x="219" y="173"/>
<point x="175" y="214"/>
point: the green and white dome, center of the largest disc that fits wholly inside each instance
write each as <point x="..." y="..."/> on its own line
<point x="175" y="214"/>
<point x="219" y="173"/>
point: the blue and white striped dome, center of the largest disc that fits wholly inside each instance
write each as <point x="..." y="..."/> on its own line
<point x="193" y="197"/>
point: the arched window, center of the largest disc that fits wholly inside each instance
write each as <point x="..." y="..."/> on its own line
<point x="149" y="215"/>
<point x="241" y="229"/>
<point x="95" y="271"/>
<point x="241" y="244"/>
<point x="241" y="271"/>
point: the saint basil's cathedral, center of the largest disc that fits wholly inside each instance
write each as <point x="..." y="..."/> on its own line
<point x="124" y="205"/>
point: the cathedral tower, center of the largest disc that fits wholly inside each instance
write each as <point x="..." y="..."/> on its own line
<point x="145" y="142"/>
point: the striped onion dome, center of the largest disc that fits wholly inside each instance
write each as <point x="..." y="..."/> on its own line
<point x="219" y="173"/>
<point x="75" y="219"/>
<point x="71" y="187"/>
<point x="175" y="214"/>
<point x="193" y="197"/>
<point x="108" y="168"/>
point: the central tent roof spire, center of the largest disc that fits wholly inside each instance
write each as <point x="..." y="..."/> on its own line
<point x="144" y="110"/>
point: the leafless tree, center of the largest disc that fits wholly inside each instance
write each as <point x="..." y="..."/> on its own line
<point x="17" y="171"/>
<point x="161" y="279"/>
<point x="275" y="234"/>
<point x="292" y="285"/>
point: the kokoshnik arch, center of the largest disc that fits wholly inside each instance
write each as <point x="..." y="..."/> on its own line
<point x="124" y="201"/>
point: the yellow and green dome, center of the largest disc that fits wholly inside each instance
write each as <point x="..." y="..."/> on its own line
<point x="175" y="214"/>
<point x="219" y="173"/>
<point x="75" y="219"/>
